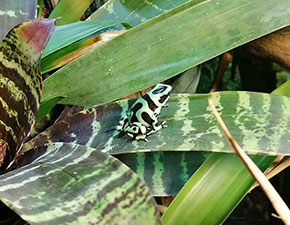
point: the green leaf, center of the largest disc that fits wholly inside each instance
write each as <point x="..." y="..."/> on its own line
<point x="69" y="10"/>
<point x="190" y="34"/>
<point x="213" y="191"/>
<point x="45" y="108"/>
<point x="65" y="35"/>
<point x="20" y="81"/>
<point x="284" y="89"/>
<point x="259" y="123"/>
<point x="127" y="26"/>
<point x="14" y="12"/>
<point x="66" y="54"/>
<point x="222" y="181"/>
<point x="73" y="184"/>
<point x="164" y="173"/>
<point x="134" y="12"/>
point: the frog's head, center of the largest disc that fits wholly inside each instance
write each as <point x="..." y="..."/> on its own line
<point x="136" y="131"/>
<point x="160" y="94"/>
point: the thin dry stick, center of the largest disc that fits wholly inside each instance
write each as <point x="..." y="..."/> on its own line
<point x="274" y="172"/>
<point x="277" y="202"/>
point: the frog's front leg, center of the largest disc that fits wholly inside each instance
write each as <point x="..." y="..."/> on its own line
<point x="156" y="127"/>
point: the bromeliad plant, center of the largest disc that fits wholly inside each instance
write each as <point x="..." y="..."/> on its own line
<point x="66" y="174"/>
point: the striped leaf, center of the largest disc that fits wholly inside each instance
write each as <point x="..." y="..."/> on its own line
<point x="73" y="184"/>
<point x="163" y="47"/>
<point x="165" y="173"/>
<point x="14" y="12"/>
<point x="258" y="121"/>
<point x="20" y="81"/>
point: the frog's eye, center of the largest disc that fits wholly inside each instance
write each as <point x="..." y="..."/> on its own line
<point x="134" y="128"/>
<point x="159" y="90"/>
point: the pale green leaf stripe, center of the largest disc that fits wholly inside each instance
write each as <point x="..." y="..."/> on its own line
<point x="73" y="184"/>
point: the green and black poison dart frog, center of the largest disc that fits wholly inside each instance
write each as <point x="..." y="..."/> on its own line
<point x="141" y="119"/>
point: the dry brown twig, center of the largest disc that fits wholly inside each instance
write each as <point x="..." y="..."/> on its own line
<point x="278" y="169"/>
<point x="277" y="202"/>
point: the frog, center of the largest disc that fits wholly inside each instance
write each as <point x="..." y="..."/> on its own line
<point x="142" y="118"/>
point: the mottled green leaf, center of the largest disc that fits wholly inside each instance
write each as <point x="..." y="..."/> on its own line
<point x="45" y="108"/>
<point x="69" y="10"/>
<point x="73" y="184"/>
<point x="163" y="47"/>
<point x="20" y="81"/>
<point x="14" y="12"/>
<point x="259" y="122"/>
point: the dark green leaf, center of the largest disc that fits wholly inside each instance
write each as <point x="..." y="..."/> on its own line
<point x="127" y="25"/>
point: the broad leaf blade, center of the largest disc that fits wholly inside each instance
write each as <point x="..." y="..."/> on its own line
<point x="14" y="12"/>
<point x="69" y="10"/>
<point x="73" y="184"/>
<point x="259" y="122"/>
<point x="197" y="32"/>
<point x="194" y="128"/>
<point x="20" y="80"/>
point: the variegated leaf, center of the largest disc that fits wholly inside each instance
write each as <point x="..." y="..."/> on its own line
<point x="73" y="184"/>
<point x="164" y="172"/>
<point x="20" y="81"/>
<point x="259" y="122"/>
